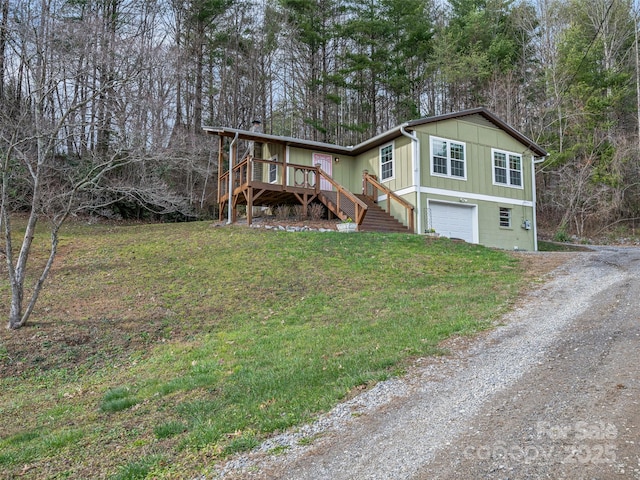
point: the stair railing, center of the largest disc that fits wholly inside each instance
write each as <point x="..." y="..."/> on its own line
<point x="344" y="200"/>
<point x="370" y="188"/>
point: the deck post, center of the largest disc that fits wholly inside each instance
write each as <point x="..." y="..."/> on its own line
<point x="221" y="211"/>
<point x="233" y="200"/>
<point x="249" y="206"/>
<point x="285" y="161"/>
<point x="220" y="156"/>
<point x="364" y="181"/>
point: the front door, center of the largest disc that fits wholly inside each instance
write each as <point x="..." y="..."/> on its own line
<point x="324" y="160"/>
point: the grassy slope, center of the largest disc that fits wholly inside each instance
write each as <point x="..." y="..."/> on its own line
<point x="158" y="349"/>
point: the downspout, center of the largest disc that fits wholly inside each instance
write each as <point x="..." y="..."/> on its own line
<point x="231" y="162"/>
<point x="535" y="200"/>
<point x="415" y="155"/>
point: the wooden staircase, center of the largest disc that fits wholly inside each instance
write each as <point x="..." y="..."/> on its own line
<point x="378" y="220"/>
<point x="343" y="210"/>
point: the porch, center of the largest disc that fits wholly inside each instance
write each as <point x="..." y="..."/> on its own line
<point x="254" y="181"/>
<point x="261" y="182"/>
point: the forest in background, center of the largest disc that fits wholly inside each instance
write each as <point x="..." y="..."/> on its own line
<point x="102" y="101"/>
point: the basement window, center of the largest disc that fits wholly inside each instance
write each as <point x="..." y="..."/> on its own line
<point x="505" y="217"/>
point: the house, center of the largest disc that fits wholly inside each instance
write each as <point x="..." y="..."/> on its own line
<point x="465" y="175"/>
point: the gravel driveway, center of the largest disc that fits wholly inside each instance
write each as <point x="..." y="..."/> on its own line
<point x="553" y="393"/>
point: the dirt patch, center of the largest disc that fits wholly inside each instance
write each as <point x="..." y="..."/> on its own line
<point x="537" y="265"/>
<point x="91" y="343"/>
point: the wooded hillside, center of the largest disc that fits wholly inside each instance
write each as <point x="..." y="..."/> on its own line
<point x="129" y="83"/>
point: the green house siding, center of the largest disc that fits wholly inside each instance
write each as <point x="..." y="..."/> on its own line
<point x="472" y="206"/>
<point x="300" y="156"/>
<point x="402" y="164"/>
<point x="400" y="212"/>
<point x="479" y="141"/>
<point x="485" y="220"/>
<point x="477" y="191"/>
<point x="514" y="237"/>
<point x="403" y="169"/>
<point x="345" y="174"/>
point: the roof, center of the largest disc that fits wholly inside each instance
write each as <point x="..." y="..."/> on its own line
<point x="378" y="139"/>
<point x="267" y="138"/>
<point x="530" y="144"/>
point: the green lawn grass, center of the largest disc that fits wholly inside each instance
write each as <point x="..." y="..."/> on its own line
<point x="157" y="350"/>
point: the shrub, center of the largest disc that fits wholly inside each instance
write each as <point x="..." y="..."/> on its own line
<point x="316" y="211"/>
<point x="282" y="212"/>
<point x="561" y="235"/>
<point x="298" y="212"/>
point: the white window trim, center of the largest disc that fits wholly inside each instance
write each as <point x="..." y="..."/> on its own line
<point x="273" y="159"/>
<point x="448" y="175"/>
<point x="493" y="169"/>
<point x="393" y="161"/>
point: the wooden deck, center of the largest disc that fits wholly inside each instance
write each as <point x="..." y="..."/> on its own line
<point x="260" y="182"/>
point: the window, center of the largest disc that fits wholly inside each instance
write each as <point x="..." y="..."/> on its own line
<point x="505" y="217"/>
<point x="273" y="170"/>
<point x="448" y="158"/>
<point x="507" y="168"/>
<point x="386" y="162"/>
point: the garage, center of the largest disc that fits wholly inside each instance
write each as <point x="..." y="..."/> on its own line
<point x="453" y="220"/>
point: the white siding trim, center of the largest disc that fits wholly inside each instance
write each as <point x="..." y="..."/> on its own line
<point x="464" y="195"/>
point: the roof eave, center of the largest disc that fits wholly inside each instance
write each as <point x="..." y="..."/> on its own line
<point x="380" y="139"/>
<point x="536" y="149"/>
<point x="289" y="141"/>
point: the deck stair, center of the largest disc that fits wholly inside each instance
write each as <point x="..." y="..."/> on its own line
<point x="378" y="220"/>
<point x="346" y="209"/>
<point x="340" y="201"/>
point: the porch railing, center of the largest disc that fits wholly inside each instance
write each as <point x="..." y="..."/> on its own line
<point x="371" y="188"/>
<point x="347" y="205"/>
<point x="258" y="170"/>
<point x="293" y="177"/>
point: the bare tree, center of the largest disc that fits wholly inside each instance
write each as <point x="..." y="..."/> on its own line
<point x="48" y="92"/>
<point x="4" y="17"/>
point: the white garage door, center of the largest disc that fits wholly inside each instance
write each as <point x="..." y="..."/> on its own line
<point x="453" y="221"/>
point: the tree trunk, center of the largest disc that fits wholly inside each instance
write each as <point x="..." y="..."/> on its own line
<point x="18" y="271"/>
<point x="197" y="97"/>
<point x="107" y="76"/>
<point x="637" y="62"/>
<point x="4" y="11"/>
